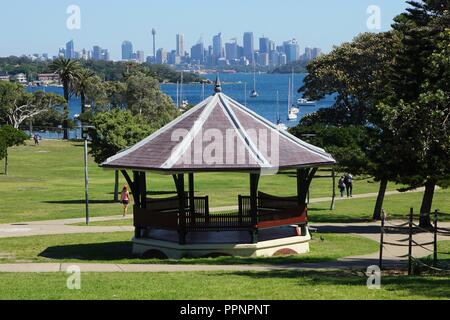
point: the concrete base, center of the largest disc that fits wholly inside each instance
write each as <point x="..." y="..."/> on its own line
<point x="273" y="242"/>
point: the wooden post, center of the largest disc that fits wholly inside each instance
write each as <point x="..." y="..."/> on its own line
<point x="182" y="210"/>
<point x="143" y="189"/>
<point x="116" y="186"/>
<point x="333" y="199"/>
<point x="254" y="180"/>
<point x="383" y="217"/>
<point x="192" y="197"/>
<point x="435" y="239"/>
<point x="410" y="243"/>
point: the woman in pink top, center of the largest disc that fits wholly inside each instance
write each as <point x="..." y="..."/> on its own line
<point x="125" y="199"/>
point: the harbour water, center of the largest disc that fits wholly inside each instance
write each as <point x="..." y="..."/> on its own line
<point x="233" y="85"/>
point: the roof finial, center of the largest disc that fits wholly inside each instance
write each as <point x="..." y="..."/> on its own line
<point x="218" y="86"/>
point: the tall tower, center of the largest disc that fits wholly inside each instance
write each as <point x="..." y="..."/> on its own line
<point x="154" y="44"/>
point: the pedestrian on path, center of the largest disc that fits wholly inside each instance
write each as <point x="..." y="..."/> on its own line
<point x="341" y="186"/>
<point x="125" y="199"/>
<point x="348" y="181"/>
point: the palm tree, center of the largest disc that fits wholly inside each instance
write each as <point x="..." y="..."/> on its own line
<point x="67" y="70"/>
<point x="82" y="84"/>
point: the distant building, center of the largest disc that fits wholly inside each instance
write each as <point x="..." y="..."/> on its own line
<point x="47" y="78"/>
<point x="99" y="54"/>
<point x="231" y="51"/>
<point x="264" y="45"/>
<point x="292" y="50"/>
<point x="70" y="50"/>
<point x="180" y="45"/>
<point x="263" y="59"/>
<point x="198" y="53"/>
<point x="249" y="47"/>
<point x="218" y="46"/>
<point x="283" y="59"/>
<point x="316" y="52"/>
<point x="161" y="56"/>
<point x="127" y="50"/>
<point x="139" y="56"/>
<point x="4" y="76"/>
<point x="21" y="78"/>
<point x="274" y="59"/>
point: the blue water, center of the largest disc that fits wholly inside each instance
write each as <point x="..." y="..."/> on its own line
<point x="233" y="85"/>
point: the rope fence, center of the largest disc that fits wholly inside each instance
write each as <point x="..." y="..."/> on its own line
<point x="411" y="229"/>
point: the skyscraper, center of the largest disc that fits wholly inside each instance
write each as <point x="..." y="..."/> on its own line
<point x="198" y="53"/>
<point x="264" y="45"/>
<point x="127" y="50"/>
<point x="161" y="56"/>
<point x="231" y="51"/>
<point x="249" y="48"/>
<point x="140" y="56"/>
<point x="70" y="50"/>
<point x="218" y="46"/>
<point x="180" y="45"/>
<point x="292" y="50"/>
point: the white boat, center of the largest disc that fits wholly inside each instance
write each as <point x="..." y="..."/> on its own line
<point x="305" y="102"/>
<point x="254" y="93"/>
<point x="295" y="110"/>
<point x="282" y="127"/>
<point x="292" y="111"/>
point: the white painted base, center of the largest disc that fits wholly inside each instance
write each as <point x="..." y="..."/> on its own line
<point x="269" y="248"/>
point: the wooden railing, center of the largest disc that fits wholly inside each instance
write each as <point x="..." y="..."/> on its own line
<point x="271" y="212"/>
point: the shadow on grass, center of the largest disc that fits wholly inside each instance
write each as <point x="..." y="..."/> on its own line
<point x="90" y="252"/>
<point x="117" y="251"/>
<point x="83" y="201"/>
<point x="348" y="229"/>
<point x="431" y="287"/>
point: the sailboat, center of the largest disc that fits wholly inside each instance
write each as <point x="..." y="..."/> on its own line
<point x="254" y="93"/>
<point x="291" y="114"/>
<point x="293" y="108"/>
<point x="280" y="125"/>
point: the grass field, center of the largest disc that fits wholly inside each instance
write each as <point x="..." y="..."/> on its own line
<point x="47" y="182"/>
<point x="116" y="248"/>
<point x="289" y="285"/>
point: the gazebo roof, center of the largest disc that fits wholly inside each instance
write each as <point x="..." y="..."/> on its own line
<point x="219" y="134"/>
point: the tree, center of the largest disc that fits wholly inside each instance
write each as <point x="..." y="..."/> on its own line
<point x="143" y="97"/>
<point x="68" y="72"/>
<point x="115" y="131"/>
<point x="417" y="111"/>
<point x="356" y="73"/>
<point x="10" y="137"/>
<point x="17" y="105"/>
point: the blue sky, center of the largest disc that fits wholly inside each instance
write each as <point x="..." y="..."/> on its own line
<point x="31" y="26"/>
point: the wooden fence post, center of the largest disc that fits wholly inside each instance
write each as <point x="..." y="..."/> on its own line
<point x="411" y="216"/>
<point x="383" y="217"/>
<point x="435" y="240"/>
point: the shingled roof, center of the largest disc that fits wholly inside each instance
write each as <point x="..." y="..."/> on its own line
<point x="219" y="134"/>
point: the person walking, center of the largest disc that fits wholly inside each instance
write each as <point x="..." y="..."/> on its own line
<point x="341" y="186"/>
<point x="348" y="181"/>
<point x="125" y="199"/>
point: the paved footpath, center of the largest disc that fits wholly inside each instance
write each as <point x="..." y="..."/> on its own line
<point x="368" y="230"/>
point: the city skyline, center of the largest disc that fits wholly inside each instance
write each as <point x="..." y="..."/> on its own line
<point x="322" y="24"/>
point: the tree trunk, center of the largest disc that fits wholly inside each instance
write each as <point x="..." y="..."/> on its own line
<point x="66" y="110"/>
<point x="380" y="200"/>
<point x="116" y="186"/>
<point x="427" y="202"/>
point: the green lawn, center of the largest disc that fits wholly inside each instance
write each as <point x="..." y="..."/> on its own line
<point x="289" y="285"/>
<point x="47" y="182"/>
<point x="116" y="248"/>
<point x="396" y="206"/>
